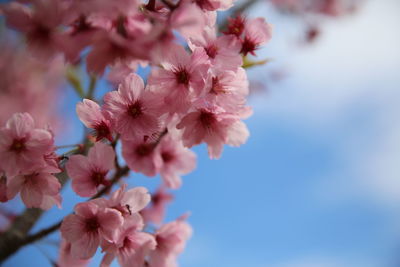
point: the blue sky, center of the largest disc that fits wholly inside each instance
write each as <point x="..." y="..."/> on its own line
<point x="318" y="182"/>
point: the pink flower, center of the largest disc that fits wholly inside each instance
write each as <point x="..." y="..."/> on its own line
<point x="176" y="161"/>
<point x="188" y="19"/>
<point x="236" y="26"/>
<point x="93" y="117"/>
<point x="156" y="212"/>
<point x="39" y="23"/>
<point x="79" y="36"/>
<point x="39" y="189"/>
<point x="128" y="202"/>
<point x="66" y="259"/>
<point x="114" y="45"/>
<point x="256" y="32"/>
<point x="132" y="247"/>
<point x="141" y="157"/>
<point x="88" y="227"/>
<point x="22" y="147"/>
<point x="228" y="90"/>
<point x="120" y="70"/>
<point x="181" y="78"/>
<point x="134" y="110"/>
<point x="223" y="52"/>
<point x="213" y="126"/>
<point x="171" y="240"/>
<point x="88" y="173"/>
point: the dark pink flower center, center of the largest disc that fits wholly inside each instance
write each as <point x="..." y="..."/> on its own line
<point x="135" y="109"/>
<point x="81" y="25"/>
<point x="212" y="51"/>
<point x="167" y="156"/>
<point x="102" y="131"/>
<point x="182" y="76"/>
<point x="40" y="32"/>
<point x="236" y="26"/>
<point x="144" y="150"/>
<point x="98" y="177"/>
<point x="18" y="145"/>
<point x="207" y="118"/>
<point x="248" y="46"/>
<point x="127" y="243"/>
<point x="92" y="224"/>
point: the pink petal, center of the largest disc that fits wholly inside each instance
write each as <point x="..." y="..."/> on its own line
<point x="102" y="156"/>
<point x="85" y="247"/>
<point x="72" y="228"/>
<point x="137" y="198"/>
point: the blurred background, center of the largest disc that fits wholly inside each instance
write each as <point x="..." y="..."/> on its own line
<point x="318" y="182"/>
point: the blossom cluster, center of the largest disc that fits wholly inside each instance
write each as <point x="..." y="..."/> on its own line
<point x="324" y="7"/>
<point x="28" y="162"/>
<point x="28" y="84"/>
<point x="313" y="12"/>
<point x="116" y="226"/>
<point x="195" y="93"/>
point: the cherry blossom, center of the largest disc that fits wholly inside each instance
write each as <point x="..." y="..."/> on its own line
<point x="88" y="173"/>
<point x="134" y="110"/>
<point x="141" y="156"/>
<point x="256" y="33"/>
<point x="223" y="51"/>
<point x="66" y="259"/>
<point x="22" y="146"/>
<point x="132" y="247"/>
<point x="85" y="229"/>
<point x="178" y="82"/>
<point x="171" y="240"/>
<point x="39" y="25"/>
<point x="38" y="189"/>
<point x="181" y="78"/>
<point x="128" y="202"/>
<point x="176" y="161"/>
<point x="91" y="115"/>
<point x="155" y="213"/>
<point x="213" y="126"/>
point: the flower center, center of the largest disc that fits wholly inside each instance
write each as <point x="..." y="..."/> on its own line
<point x="135" y="109"/>
<point x="182" y="76"/>
<point x="98" y="178"/>
<point x="207" y="118"/>
<point x="248" y="46"/>
<point x="144" y="150"/>
<point x="236" y="26"/>
<point x="92" y="224"/>
<point x="167" y="156"/>
<point x="18" y="145"/>
<point x="102" y="131"/>
<point x="212" y="51"/>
